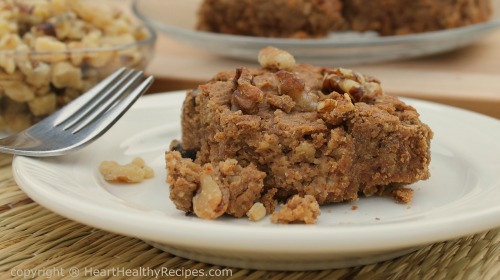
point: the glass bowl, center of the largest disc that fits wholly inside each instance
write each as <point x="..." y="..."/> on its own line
<point x="42" y="73"/>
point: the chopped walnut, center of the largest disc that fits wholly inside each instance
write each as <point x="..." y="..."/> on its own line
<point x="134" y="172"/>
<point x="246" y="97"/>
<point x="305" y="152"/>
<point x="210" y="201"/>
<point x="282" y="102"/>
<point x="257" y="212"/>
<point x="43" y="105"/>
<point x="39" y="75"/>
<point x="241" y="76"/>
<point x="361" y="88"/>
<point x="45" y="48"/>
<point x="297" y="210"/>
<point x="290" y="84"/>
<point x="274" y="58"/>
<point x="64" y="74"/>
<point x="17" y="91"/>
<point x="48" y="43"/>
<point x="295" y="88"/>
<point x="335" y="109"/>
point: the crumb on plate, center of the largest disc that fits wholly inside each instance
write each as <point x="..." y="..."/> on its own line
<point x="402" y="195"/>
<point x="297" y="210"/>
<point x="257" y="212"/>
<point x="134" y="172"/>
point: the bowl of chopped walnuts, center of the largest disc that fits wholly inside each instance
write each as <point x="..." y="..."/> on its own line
<point x="53" y="51"/>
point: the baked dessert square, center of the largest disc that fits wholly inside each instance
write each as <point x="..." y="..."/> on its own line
<point x="317" y="18"/>
<point x="398" y="17"/>
<point x="277" y="18"/>
<point x="294" y="129"/>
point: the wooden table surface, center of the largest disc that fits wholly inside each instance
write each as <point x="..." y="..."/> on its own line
<point x="467" y="78"/>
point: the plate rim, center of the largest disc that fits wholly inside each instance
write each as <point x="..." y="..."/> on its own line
<point x="433" y="231"/>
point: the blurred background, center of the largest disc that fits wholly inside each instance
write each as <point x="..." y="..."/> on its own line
<point x="466" y="77"/>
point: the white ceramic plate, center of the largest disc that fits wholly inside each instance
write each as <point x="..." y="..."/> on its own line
<point x="461" y="198"/>
<point x="178" y="19"/>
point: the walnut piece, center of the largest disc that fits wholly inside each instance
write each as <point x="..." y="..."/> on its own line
<point x="283" y="102"/>
<point x="209" y="202"/>
<point x="295" y="88"/>
<point x="257" y="212"/>
<point x="336" y="109"/>
<point x="274" y="58"/>
<point x="64" y="74"/>
<point x="43" y="105"/>
<point x="134" y="172"/>
<point x="17" y="91"/>
<point x="48" y="43"/>
<point x="246" y="97"/>
<point x="305" y="152"/>
<point x="46" y="49"/>
<point x="361" y="88"/>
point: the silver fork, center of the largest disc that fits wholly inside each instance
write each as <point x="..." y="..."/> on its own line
<point x="81" y="121"/>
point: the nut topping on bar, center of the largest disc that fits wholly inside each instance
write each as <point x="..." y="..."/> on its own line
<point x="246" y="97"/>
<point x="210" y="201"/>
<point x="273" y="58"/>
<point x="294" y="133"/>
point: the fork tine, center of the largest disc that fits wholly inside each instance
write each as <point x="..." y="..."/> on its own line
<point x="71" y="108"/>
<point x="96" y="111"/>
<point x="97" y="101"/>
<point x="111" y="116"/>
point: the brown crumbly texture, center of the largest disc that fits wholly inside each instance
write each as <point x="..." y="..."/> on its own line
<point x="183" y="179"/>
<point x="334" y="136"/>
<point x="239" y="188"/>
<point x="278" y="18"/>
<point x="315" y="18"/>
<point x="402" y="195"/>
<point x="297" y="210"/>
<point x="269" y="201"/>
<point x="414" y="16"/>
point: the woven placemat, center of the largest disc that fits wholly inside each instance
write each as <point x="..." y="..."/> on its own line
<point x="37" y="242"/>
